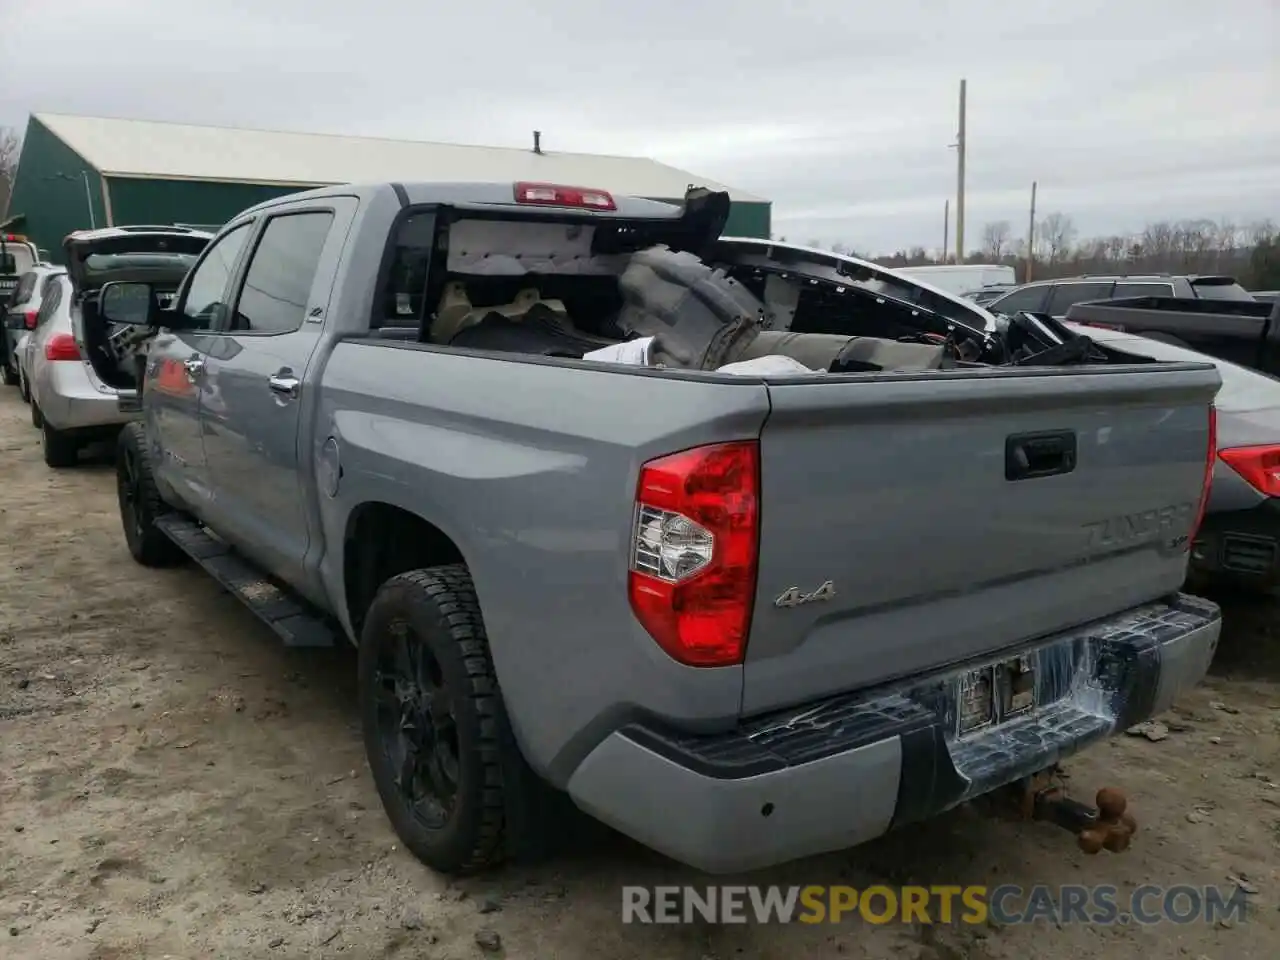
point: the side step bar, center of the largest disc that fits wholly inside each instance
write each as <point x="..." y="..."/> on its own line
<point x="290" y="618"/>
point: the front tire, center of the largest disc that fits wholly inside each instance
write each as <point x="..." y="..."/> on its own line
<point x="61" y="449"/>
<point x="140" y="502"/>
<point x="450" y="775"/>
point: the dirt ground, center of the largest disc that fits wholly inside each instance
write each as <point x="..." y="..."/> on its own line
<point x="173" y="783"/>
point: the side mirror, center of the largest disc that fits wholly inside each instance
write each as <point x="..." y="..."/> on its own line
<point x="130" y="303"/>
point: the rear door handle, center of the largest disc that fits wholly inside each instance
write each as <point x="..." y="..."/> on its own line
<point x="284" y="383"/>
<point x="1030" y="455"/>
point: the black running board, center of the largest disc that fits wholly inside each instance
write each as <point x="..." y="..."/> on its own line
<point x="288" y="616"/>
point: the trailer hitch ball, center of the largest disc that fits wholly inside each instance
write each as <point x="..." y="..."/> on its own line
<point x="1113" y="828"/>
<point x="1108" y="826"/>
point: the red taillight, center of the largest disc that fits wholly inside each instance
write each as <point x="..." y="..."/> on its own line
<point x="1260" y="466"/>
<point x="551" y="195"/>
<point x="30" y="319"/>
<point x="61" y="346"/>
<point x="695" y="540"/>
<point x="1210" y="461"/>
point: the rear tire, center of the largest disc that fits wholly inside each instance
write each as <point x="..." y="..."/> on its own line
<point x="10" y="375"/>
<point x="61" y="449"/>
<point x="433" y="715"/>
<point x="140" y="502"/>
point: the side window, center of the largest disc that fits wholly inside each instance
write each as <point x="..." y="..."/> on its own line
<point x="277" y="284"/>
<point x="1030" y="299"/>
<point x="1066" y="295"/>
<point x="1144" y="290"/>
<point x="208" y="284"/>
<point x="26" y="286"/>
<point x="49" y="305"/>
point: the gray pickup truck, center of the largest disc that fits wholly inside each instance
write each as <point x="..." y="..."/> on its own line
<point x="750" y="551"/>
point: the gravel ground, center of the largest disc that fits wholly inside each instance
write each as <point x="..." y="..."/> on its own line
<point x="173" y="783"/>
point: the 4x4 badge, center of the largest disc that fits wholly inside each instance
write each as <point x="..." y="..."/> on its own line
<point x="794" y="596"/>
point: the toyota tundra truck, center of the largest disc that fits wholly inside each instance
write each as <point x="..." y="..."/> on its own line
<point x="746" y="550"/>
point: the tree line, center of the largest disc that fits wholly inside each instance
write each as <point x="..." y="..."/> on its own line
<point x="1248" y="252"/>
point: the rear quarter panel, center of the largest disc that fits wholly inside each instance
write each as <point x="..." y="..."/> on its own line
<point x="531" y="469"/>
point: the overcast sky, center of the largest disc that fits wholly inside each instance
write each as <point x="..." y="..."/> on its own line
<point x="840" y="112"/>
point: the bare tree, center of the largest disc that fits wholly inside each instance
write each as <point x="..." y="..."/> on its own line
<point x="10" y="148"/>
<point x="996" y="239"/>
<point x="1056" y="231"/>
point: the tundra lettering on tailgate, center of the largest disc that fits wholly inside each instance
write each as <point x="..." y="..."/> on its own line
<point x="1134" y="528"/>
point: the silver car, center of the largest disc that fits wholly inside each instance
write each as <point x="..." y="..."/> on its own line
<point x="20" y="319"/>
<point x="73" y="402"/>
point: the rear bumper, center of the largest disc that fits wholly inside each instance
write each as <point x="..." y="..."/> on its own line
<point x="1240" y="544"/>
<point x="69" y="400"/>
<point x="836" y="773"/>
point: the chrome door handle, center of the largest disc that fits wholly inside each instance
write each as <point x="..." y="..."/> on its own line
<point x="194" y="367"/>
<point x="284" y="383"/>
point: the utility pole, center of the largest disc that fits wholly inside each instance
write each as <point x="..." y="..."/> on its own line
<point x="960" y="147"/>
<point x="946" y="228"/>
<point x="1031" y="234"/>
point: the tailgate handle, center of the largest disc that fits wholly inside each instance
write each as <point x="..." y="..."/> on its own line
<point x="1029" y="455"/>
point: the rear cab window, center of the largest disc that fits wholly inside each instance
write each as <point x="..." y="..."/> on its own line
<point x="1219" y="288"/>
<point x="15" y="258"/>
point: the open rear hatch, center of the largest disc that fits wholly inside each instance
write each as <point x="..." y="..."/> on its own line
<point x="911" y="522"/>
<point x="158" y="255"/>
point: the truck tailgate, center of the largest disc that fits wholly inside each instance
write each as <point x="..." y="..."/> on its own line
<point x="912" y="522"/>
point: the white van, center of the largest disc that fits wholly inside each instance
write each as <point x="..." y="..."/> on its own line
<point x="959" y="278"/>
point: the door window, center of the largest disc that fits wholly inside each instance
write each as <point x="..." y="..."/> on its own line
<point x="205" y="301"/>
<point x="26" y="286"/>
<point x="1066" y="295"/>
<point x="50" y="302"/>
<point x="1030" y="299"/>
<point x="277" y="284"/>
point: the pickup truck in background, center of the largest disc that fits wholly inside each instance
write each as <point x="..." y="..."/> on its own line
<point x="1245" y="332"/>
<point x="815" y="561"/>
<point x="1238" y="543"/>
<point x="1056" y="297"/>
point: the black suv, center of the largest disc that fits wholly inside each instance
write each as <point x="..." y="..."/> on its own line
<point x="1056" y="297"/>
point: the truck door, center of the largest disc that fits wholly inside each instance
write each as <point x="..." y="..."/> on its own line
<point x="175" y="370"/>
<point x="258" y="393"/>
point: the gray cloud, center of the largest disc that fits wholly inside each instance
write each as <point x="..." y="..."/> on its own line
<point x="840" y="113"/>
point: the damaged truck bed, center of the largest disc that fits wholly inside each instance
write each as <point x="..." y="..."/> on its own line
<point x="624" y="513"/>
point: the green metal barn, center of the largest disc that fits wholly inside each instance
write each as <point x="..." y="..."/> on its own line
<point x="82" y="172"/>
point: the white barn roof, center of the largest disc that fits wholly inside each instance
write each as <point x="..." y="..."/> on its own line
<point x="156" y="150"/>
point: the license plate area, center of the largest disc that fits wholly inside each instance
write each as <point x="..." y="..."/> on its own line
<point x="994" y="694"/>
